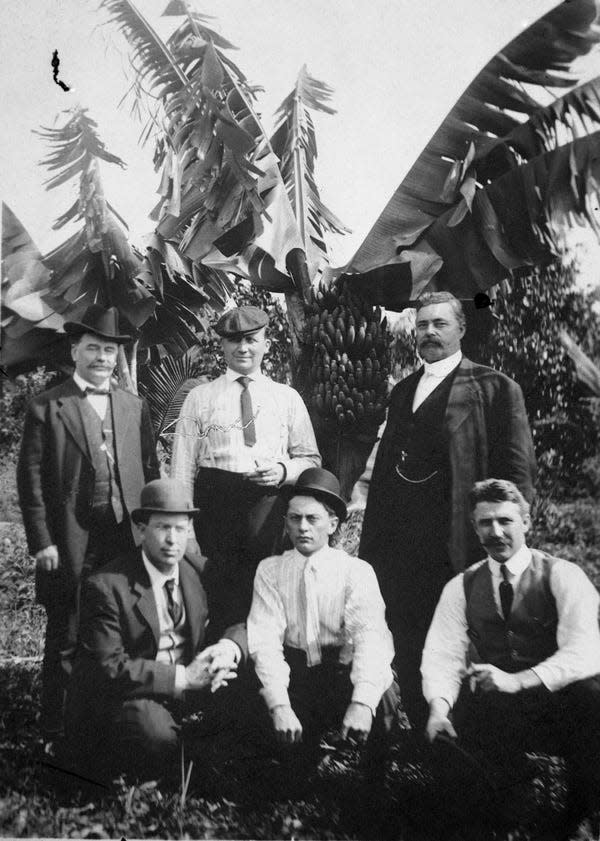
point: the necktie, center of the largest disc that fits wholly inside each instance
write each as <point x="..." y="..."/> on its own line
<point x="90" y="390"/>
<point x="247" y="413"/>
<point x="506" y="592"/>
<point x="174" y="608"/>
<point x="311" y="615"/>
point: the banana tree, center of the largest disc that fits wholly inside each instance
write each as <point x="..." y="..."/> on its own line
<point x="512" y="163"/>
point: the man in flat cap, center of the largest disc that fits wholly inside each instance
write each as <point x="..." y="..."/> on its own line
<point x="142" y="659"/>
<point x="87" y="450"/>
<point x="239" y="440"/>
<point x="317" y="632"/>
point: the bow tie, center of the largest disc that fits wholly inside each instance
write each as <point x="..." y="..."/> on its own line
<point x="91" y="390"/>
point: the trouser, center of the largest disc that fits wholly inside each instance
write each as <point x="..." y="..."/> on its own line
<point x="107" y="538"/>
<point x="499" y="728"/>
<point x="239" y="524"/>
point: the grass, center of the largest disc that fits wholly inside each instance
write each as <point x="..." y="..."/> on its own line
<point x="237" y="797"/>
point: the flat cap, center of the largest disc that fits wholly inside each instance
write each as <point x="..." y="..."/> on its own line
<point x="241" y="320"/>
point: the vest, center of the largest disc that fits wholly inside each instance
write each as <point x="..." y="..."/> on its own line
<point x="100" y="438"/>
<point x="528" y="636"/>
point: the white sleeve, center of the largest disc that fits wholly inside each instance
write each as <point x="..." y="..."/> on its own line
<point x="302" y="445"/>
<point x="578" y="637"/>
<point x="266" y="632"/>
<point x="444" y="656"/>
<point x="186" y="443"/>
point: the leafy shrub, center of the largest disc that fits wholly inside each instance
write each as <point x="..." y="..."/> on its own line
<point x="13" y="402"/>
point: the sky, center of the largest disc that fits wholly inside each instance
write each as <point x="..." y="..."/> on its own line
<point x="396" y="69"/>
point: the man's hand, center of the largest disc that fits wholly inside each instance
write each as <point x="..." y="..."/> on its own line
<point x="271" y="474"/>
<point x="222" y="663"/>
<point x="197" y="674"/>
<point x="490" y="678"/>
<point x="47" y="559"/>
<point x="357" y="722"/>
<point x="438" y="721"/>
<point x="288" y="729"/>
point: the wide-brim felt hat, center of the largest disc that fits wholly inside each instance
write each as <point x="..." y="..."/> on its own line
<point x="241" y="320"/>
<point x="322" y="485"/>
<point x="99" y="321"/>
<point x="163" y="496"/>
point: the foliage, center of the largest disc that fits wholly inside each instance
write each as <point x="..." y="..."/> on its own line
<point x="507" y="167"/>
<point x="13" y="401"/>
<point x="525" y="345"/>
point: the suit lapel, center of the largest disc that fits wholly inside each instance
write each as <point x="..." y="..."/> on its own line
<point x="120" y="425"/>
<point x="145" y="603"/>
<point x="193" y="597"/>
<point x="69" y="411"/>
<point x="463" y="395"/>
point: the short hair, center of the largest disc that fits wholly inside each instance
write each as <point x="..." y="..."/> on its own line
<point x="430" y="298"/>
<point x="144" y="516"/>
<point x="497" y="490"/>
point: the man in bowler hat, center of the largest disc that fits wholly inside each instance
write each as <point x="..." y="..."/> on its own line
<point x="86" y="452"/>
<point x="239" y="441"/>
<point x="142" y="659"/>
<point x="317" y="632"/>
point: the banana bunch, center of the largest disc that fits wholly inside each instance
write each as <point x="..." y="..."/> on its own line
<point x="350" y="359"/>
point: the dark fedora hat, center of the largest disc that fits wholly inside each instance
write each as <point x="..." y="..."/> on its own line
<point x="99" y="321"/>
<point x="163" y="496"/>
<point x="322" y="485"/>
<point x="241" y="320"/>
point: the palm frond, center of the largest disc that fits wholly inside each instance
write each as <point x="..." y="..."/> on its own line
<point x="502" y="122"/>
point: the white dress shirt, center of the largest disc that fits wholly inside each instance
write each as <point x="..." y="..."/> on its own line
<point x="578" y="637"/>
<point x="171" y="643"/>
<point x="98" y="402"/>
<point x="209" y="431"/>
<point x="351" y="615"/>
<point x="433" y="375"/>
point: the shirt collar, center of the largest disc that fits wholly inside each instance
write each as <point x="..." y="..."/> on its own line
<point x="233" y="376"/>
<point x="443" y="367"/>
<point x="83" y="384"/>
<point x="315" y="560"/>
<point x="158" y="578"/>
<point x="515" y="565"/>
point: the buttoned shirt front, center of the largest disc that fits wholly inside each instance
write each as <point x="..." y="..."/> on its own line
<point x="98" y="402"/>
<point x="433" y="374"/>
<point x="578" y="637"/>
<point x="351" y="616"/>
<point x="209" y="432"/>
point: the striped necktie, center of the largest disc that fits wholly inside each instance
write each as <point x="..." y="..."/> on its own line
<point x="247" y="413"/>
<point x="310" y="606"/>
<point x="175" y="608"/>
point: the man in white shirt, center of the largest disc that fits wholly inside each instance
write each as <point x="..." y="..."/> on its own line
<point x="86" y="453"/>
<point x="316" y="630"/>
<point x="450" y="424"/>
<point x="512" y="659"/>
<point x="239" y="440"/>
<point x="142" y="658"/>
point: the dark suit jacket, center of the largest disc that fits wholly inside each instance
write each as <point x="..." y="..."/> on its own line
<point x="119" y="636"/>
<point x="488" y="437"/>
<point x="55" y="474"/>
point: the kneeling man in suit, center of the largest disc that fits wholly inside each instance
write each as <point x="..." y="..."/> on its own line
<point x="143" y="659"/>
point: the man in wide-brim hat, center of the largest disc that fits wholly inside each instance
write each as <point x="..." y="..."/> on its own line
<point x="87" y="451"/>
<point x="317" y="632"/>
<point x="143" y="658"/>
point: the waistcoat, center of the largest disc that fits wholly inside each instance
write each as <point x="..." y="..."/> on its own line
<point x="99" y="433"/>
<point x="528" y="636"/>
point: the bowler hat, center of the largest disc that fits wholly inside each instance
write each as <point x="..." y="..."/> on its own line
<point x="163" y="496"/>
<point x="241" y="320"/>
<point x="322" y="485"/>
<point x="99" y="321"/>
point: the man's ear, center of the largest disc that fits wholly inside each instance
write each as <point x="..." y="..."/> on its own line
<point x="333" y="523"/>
<point x="526" y="521"/>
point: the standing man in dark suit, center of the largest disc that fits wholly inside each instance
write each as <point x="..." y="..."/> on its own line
<point x="141" y="658"/>
<point x="450" y="424"/>
<point x="86" y="453"/>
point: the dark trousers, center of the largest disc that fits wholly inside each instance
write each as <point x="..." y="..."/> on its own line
<point x="499" y="729"/>
<point x="106" y="540"/>
<point x="239" y="524"/>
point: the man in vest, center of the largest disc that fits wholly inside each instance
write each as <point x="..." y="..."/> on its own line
<point x="87" y="451"/>
<point x="450" y="424"/>
<point x="239" y="440"/>
<point x="526" y="624"/>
